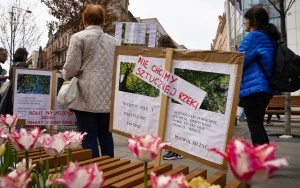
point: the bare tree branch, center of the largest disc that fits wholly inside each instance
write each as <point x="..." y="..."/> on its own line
<point x="291" y="2"/>
<point x="27" y="31"/>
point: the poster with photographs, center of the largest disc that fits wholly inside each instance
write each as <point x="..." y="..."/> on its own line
<point x="195" y="131"/>
<point x="35" y="98"/>
<point x="32" y="91"/>
<point x="63" y="115"/>
<point x="187" y="97"/>
<point x="128" y="33"/>
<point x="136" y="102"/>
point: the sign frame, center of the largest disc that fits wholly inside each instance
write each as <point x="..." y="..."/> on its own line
<point x="234" y="59"/>
<point x="52" y="90"/>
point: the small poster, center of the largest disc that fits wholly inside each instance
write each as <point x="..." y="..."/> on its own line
<point x="131" y="33"/>
<point x="137" y="103"/>
<point x="35" y="98"/>
<point x="32" y="91"/>
<point x="135" y="33"/>
<point x="196" y="131"/>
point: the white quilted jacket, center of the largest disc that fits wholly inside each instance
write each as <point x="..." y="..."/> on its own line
<point x="95" y="81"/>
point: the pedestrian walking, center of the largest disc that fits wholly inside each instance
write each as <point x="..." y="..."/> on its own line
<point x="255" y="93"/>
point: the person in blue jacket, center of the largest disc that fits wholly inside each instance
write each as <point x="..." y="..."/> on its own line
<point x="255" y="93"/>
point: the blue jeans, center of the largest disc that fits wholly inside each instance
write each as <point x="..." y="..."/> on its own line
<point x="96" y="125"/>
<point x="242" y="116"/>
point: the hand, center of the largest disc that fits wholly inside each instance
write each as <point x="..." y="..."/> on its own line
<point x="234" y="48"/>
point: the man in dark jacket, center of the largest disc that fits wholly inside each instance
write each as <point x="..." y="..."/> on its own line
<point x="3" y="58"/>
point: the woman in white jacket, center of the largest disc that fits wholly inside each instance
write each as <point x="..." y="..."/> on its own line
<point x="92" y="103"/>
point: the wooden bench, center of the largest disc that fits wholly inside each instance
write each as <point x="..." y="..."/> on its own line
<point x="122" y="173"/>
<point x="277" y="105"/>
<point x="77" y="155"/>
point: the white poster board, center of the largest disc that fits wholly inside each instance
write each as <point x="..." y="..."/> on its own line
<point x="138" y="113"/>
<point x="32" y="91"/>
<point x="196" y="131"/>
<point x="212" y="75"/>
<point x="131" y="33"/>
<point x="35" y="98"/>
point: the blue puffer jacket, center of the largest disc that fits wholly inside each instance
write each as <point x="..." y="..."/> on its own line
<point x="256" y="45"/>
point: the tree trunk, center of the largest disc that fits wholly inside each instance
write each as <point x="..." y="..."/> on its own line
<point x="287" y="122"/>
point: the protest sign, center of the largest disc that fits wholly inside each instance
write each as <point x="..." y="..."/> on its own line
<point x="188" y="98"/>
<point x="34" y="98"/>
<point x="129" y="33"/>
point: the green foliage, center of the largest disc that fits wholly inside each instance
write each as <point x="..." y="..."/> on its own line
<point x="44" y="170"/>
<point x="132" y="84"/>
<point x="9" y="159"/>
<point x="33" y="84"/>
<point x="214" y="84"/>
<point x="60" y="82"/>
<point x="68" y="13"/>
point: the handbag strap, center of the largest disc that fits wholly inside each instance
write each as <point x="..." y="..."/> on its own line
<point x="87" y="59"/>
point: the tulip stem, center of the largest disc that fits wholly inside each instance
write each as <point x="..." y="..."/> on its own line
<point x="69" y="155"/>
<point x="27" y="160"/>
<point x="248" y="185"/>
<point x="55" y="163"/>
<point x="146" y="174"/>
<point x="40" y="155"/>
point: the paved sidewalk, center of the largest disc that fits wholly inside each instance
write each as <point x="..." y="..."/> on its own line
<point x="288" y="177"/>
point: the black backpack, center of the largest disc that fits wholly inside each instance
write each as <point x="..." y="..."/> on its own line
<point x="285" y="75"/>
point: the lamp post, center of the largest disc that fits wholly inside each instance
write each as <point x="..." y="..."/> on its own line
<point x="13" y="28"/>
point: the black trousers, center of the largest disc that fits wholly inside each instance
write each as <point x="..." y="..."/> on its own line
<point x="255" y="108"/>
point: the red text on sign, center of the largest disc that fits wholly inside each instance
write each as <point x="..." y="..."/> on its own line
<point x="188" y="100"/>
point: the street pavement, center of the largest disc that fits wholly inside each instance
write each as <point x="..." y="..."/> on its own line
<point x="285" y="177"/>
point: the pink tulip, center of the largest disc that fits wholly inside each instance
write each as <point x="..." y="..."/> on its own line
<point x="15" y="180"/>
<point x="145" y="148"/>
<point x="75" y="139"/>
<point x="3" y="135"/>
<point x="21" y="166"/>
<point x="80" y="177"/>
<point x="9" y="120"/>
<point x="176" y="181"/>
<point x="54" y="145"/>
<point x="251" y="164"/>
<point x="24" y="140"/>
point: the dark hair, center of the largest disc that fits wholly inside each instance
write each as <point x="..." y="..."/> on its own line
<point x="3" y="50"/>
<point x="258" y="17"/>
<point x="20" y="55"/>
<point x="166" y="41"/>
<point x="93" y="14"/>
<point x="56" y="67"/>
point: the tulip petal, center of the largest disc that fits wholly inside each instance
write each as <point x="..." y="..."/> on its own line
<point x="146" y="147"/>
<point x="251" y="164"/>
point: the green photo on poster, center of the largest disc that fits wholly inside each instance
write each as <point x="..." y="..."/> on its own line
<point x="130" y="83"/>
<point x="214" y="84"/>
<point x="33" y="84"/>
